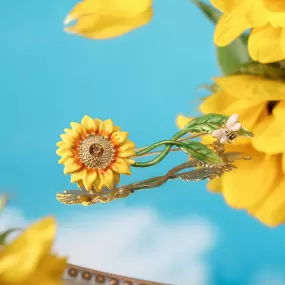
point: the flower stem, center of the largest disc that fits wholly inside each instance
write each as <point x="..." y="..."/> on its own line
<point x="163" y="154"/>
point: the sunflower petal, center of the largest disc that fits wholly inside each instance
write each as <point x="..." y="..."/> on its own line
<point x="120" y="166"/>
<point x="225" y="6"/>
<point x="68" y="138"/>
<point x="76" y="177"/>
<point x="215" y="185"/>
<point x="267" y="136"/>
<point x="88" y="123"/>
<point x="128" y="145"/>
<point x="271" y="210"/>
<point x="252" y="88"/>
<point x="76" y="127"/>
<point x="71" y="166"/>
<point x="106" y="26"/>
<point x="99" y="182"/>
<point x="89" y="178"/>
<point x="251" y="181"/>
<point x="216" y="103"/>
<point x="182" y="121"/>
<point x="64" y="150"/>
<point x="127" y="153"/>
<point x="108" y="178"/>
<point x="230" y="26"/>
<point x="264" y="44"/>
<point x="106" y="128"/>
<point x="119" y="137"/>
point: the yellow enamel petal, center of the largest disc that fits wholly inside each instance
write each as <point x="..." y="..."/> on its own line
<point x="99" y="182"/>
<point x="97" y="123"/>
<point x="88" y="123"/>
<point x="251" y="182"/>
<point x="119" y="137"/>
<point x="264" y="44"/>
<point x="182" y="121"/>
<point x="271" y="210"/>
<point x="108" y="178"/>
<point x="68" y="130"/>
<point x="230" y="26"/>
<point x="129" y="161"/>
<point x="215" y="185"/>
<point x="117" y="178"/>
<point x="68" y="138"/>
<point x="116" y="128"/>
<point x="128" y="145"/>
<point x="76" y="127"/>
<point x="106" y="128"/>
<point x="61" y="144"/>
<point x="80" y="184"/>
<point x="120" y="166"/>
<point x="65" y="150"/>
<point x="89" y="178"/>
<point x="106" y="26"/>
<point x="71" y="166"/>
<point x="76" y="177"/>
<point x="64" y="159"/>
<point x="127" y="153"/>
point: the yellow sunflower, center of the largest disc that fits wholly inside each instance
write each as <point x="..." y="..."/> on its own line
<point x="266" y="18"/>
<point x="257" y="186"/>
<point x="102" y="19"/>
<point x="28" y="261"/>
<point x="95" y="153"/>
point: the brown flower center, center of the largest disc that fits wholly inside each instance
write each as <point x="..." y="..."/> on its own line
<point x="270" y="106"/>
<point x="96" y="152"/>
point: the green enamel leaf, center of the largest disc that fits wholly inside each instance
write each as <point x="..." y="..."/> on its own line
<point x="202" y="153"/>
<point x="210" y="122"/>
<point x="245" y="133"/>
<point x="206" y="124"/>
<point x="4" y="235"/>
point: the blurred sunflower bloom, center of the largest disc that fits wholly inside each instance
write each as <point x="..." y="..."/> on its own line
<point x="258" y="185"/>
<point x="95" y="153"/>
<point x="266" y="18"/>
<point x="28" y="261"/>
<point x="103" y="19"/>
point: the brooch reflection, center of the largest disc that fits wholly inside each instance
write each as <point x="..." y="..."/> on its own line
<point x="95" y="153"/>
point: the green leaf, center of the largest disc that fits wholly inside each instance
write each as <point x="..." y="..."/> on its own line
<point x="4" y="235"/>
<point x="202" y="153"/>
<point x="206" y="124"/>
<point x="233" y="56"/>
<point x="210" y="122"/>
<point x="210" y="12"/>
<point x="245" y="133"/>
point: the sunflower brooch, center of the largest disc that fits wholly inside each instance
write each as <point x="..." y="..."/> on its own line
<point x="95" y="153"/>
